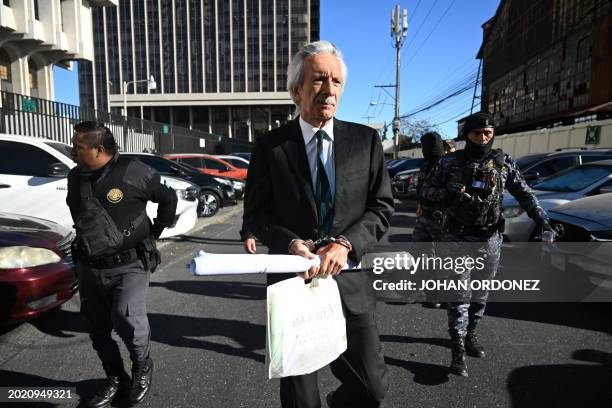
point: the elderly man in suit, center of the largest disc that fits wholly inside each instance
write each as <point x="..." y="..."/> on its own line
<point x="318" y="186"/>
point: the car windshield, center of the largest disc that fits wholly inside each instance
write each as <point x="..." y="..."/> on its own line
<point x="526" y="161"/>
<point x="62" y="148"/>
<point x="574" y="179"/>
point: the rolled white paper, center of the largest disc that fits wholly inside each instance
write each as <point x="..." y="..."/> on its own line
<point x="232" y="264"/>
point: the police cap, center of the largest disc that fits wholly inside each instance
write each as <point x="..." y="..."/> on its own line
<point x="478" y="120"/>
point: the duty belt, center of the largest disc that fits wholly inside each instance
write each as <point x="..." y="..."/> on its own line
<point x="456" y="227"/>
<point x="111" y="261"/>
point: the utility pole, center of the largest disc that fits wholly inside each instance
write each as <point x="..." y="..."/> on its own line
<point x="476" y="87"/>
<point x="399" y="31"/>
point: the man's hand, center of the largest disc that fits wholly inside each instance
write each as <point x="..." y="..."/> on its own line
<point x="419" y="211"/>
<point x="299" y="248"/>
<point x="333" y="258"/>
<point x="250" y="246"/>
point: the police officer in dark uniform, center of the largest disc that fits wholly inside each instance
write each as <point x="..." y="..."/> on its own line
<point x="429" y="213"/>
<point x="470" y="183"/>
<point x="114" y="251"/>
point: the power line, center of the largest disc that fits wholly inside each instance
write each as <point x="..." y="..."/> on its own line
<point x="432" y="30"/>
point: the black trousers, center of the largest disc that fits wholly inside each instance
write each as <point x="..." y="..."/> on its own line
<point x="361" y="369"/>
<point x="116" y="299"/>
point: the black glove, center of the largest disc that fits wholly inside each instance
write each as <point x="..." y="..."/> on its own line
<point x="156" y="230"/>
<point x="547" y="233"/>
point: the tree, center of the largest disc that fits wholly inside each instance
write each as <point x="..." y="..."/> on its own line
<point x="413" y="130"/>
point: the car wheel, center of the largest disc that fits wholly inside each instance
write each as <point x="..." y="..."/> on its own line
<point x="209" y="204"/>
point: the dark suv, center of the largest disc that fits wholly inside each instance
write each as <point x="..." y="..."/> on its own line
<point x="215" y="192"/>
<point x="536" y="167"/>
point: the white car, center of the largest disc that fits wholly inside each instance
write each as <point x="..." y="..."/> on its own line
<point x="585" y="180"/>
<point x="33" y="182"/>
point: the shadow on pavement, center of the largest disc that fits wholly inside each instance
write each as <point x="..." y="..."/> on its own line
<point x="189" y="332"/>
<point x="434" y="341"/>
<point x="588" y="316"/>
<point x="425" y="374"/>
<point x="85" y="389"/>
<point x="564" y="385"/>
<point x="221" y="289"/>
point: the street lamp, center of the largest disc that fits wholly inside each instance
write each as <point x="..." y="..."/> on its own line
<point x="151" y="86"/>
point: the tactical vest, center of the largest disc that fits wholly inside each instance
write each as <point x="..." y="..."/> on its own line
<point x="483" y="181"/>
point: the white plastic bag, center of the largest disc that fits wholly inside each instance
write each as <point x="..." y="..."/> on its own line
<point x="306" y="328"/>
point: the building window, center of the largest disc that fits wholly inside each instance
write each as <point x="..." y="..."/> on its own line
<point x="36" y="11"/>
<point x="32" y="78"/>
<point x="7" y="3"/>
<point x="5" y="72"/>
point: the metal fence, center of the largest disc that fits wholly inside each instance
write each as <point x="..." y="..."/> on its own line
<point x="29" y="116"/>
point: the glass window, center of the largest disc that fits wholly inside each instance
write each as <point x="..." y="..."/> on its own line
<point x="215" y="165"/>
<point x="163" y="166"/>
<point x="24" y="160"/>
<point x="605" y="186"/>
<point x="236" y="163"/>
<point x="193" y="161"/>
<point x="574" y="179"/>
<point x="553" y="166"/>
<point x="62" y="148"/>
<point x="588" y="159"/>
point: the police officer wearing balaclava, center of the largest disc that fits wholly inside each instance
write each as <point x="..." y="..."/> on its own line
<point x="470" y="184"/>
<point x="429" y="213"/>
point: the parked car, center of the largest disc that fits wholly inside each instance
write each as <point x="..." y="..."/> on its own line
<point x="215" y="192"/>
<point x="244" y="155"/>
<point x="405" y="164"/>
<point x="36" y="269"/>
<point x="209" y="164"/>
<point x="582" y="221"/>
<point x="404" y="183"/>
<point x="236" y="161"/>
<point x="536" y="167"/>
<point x="33" y="182"/>
<point x="576" y="182"/>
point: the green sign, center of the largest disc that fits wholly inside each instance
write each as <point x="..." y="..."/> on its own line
<point x="592" y="135"/>
<point x="28" y="105"/>
<point x="166" y="129"/>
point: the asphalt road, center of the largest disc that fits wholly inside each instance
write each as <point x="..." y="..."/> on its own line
<point x="208" y="343"/>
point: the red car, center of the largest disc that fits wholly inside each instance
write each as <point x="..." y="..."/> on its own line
<point x="36" y="269"/>
<point x="209" y="164"/>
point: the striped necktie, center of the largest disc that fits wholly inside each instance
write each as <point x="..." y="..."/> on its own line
<point x="323" y="195"/>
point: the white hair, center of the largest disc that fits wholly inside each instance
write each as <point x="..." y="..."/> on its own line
<point x="295" y="72"/>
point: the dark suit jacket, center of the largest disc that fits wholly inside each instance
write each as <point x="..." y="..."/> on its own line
<point x="279" y="203"/>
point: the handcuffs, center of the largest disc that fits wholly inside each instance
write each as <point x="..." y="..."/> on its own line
<point x="314" y="246"/>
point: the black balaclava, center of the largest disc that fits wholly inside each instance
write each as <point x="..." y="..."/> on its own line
<point x="478" y="120"/>
<point x="433" y="148"/>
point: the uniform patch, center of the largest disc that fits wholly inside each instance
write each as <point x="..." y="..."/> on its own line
<point x="114" y="195"/>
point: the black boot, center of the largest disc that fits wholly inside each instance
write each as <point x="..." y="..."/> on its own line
<point x="458" y="365"/>
<point x="472" y="346"/>
<point x="142" y="376"/>
<point x="105" y="395"/>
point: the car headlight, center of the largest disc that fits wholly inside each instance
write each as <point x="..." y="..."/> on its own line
<point x="513" y="212"/>
<point x="223" y="181"/>
<point x="187" y="194"/>
<point x="238" y="185"/>
<point x="25" y="257"/>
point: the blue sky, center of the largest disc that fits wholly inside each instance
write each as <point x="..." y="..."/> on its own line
<point x="438" y="54"/>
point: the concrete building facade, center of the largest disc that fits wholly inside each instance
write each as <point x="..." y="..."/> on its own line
<point x="547" y="62"/>
<point x="219" y="65"/>
<point x="35" y="35"/>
